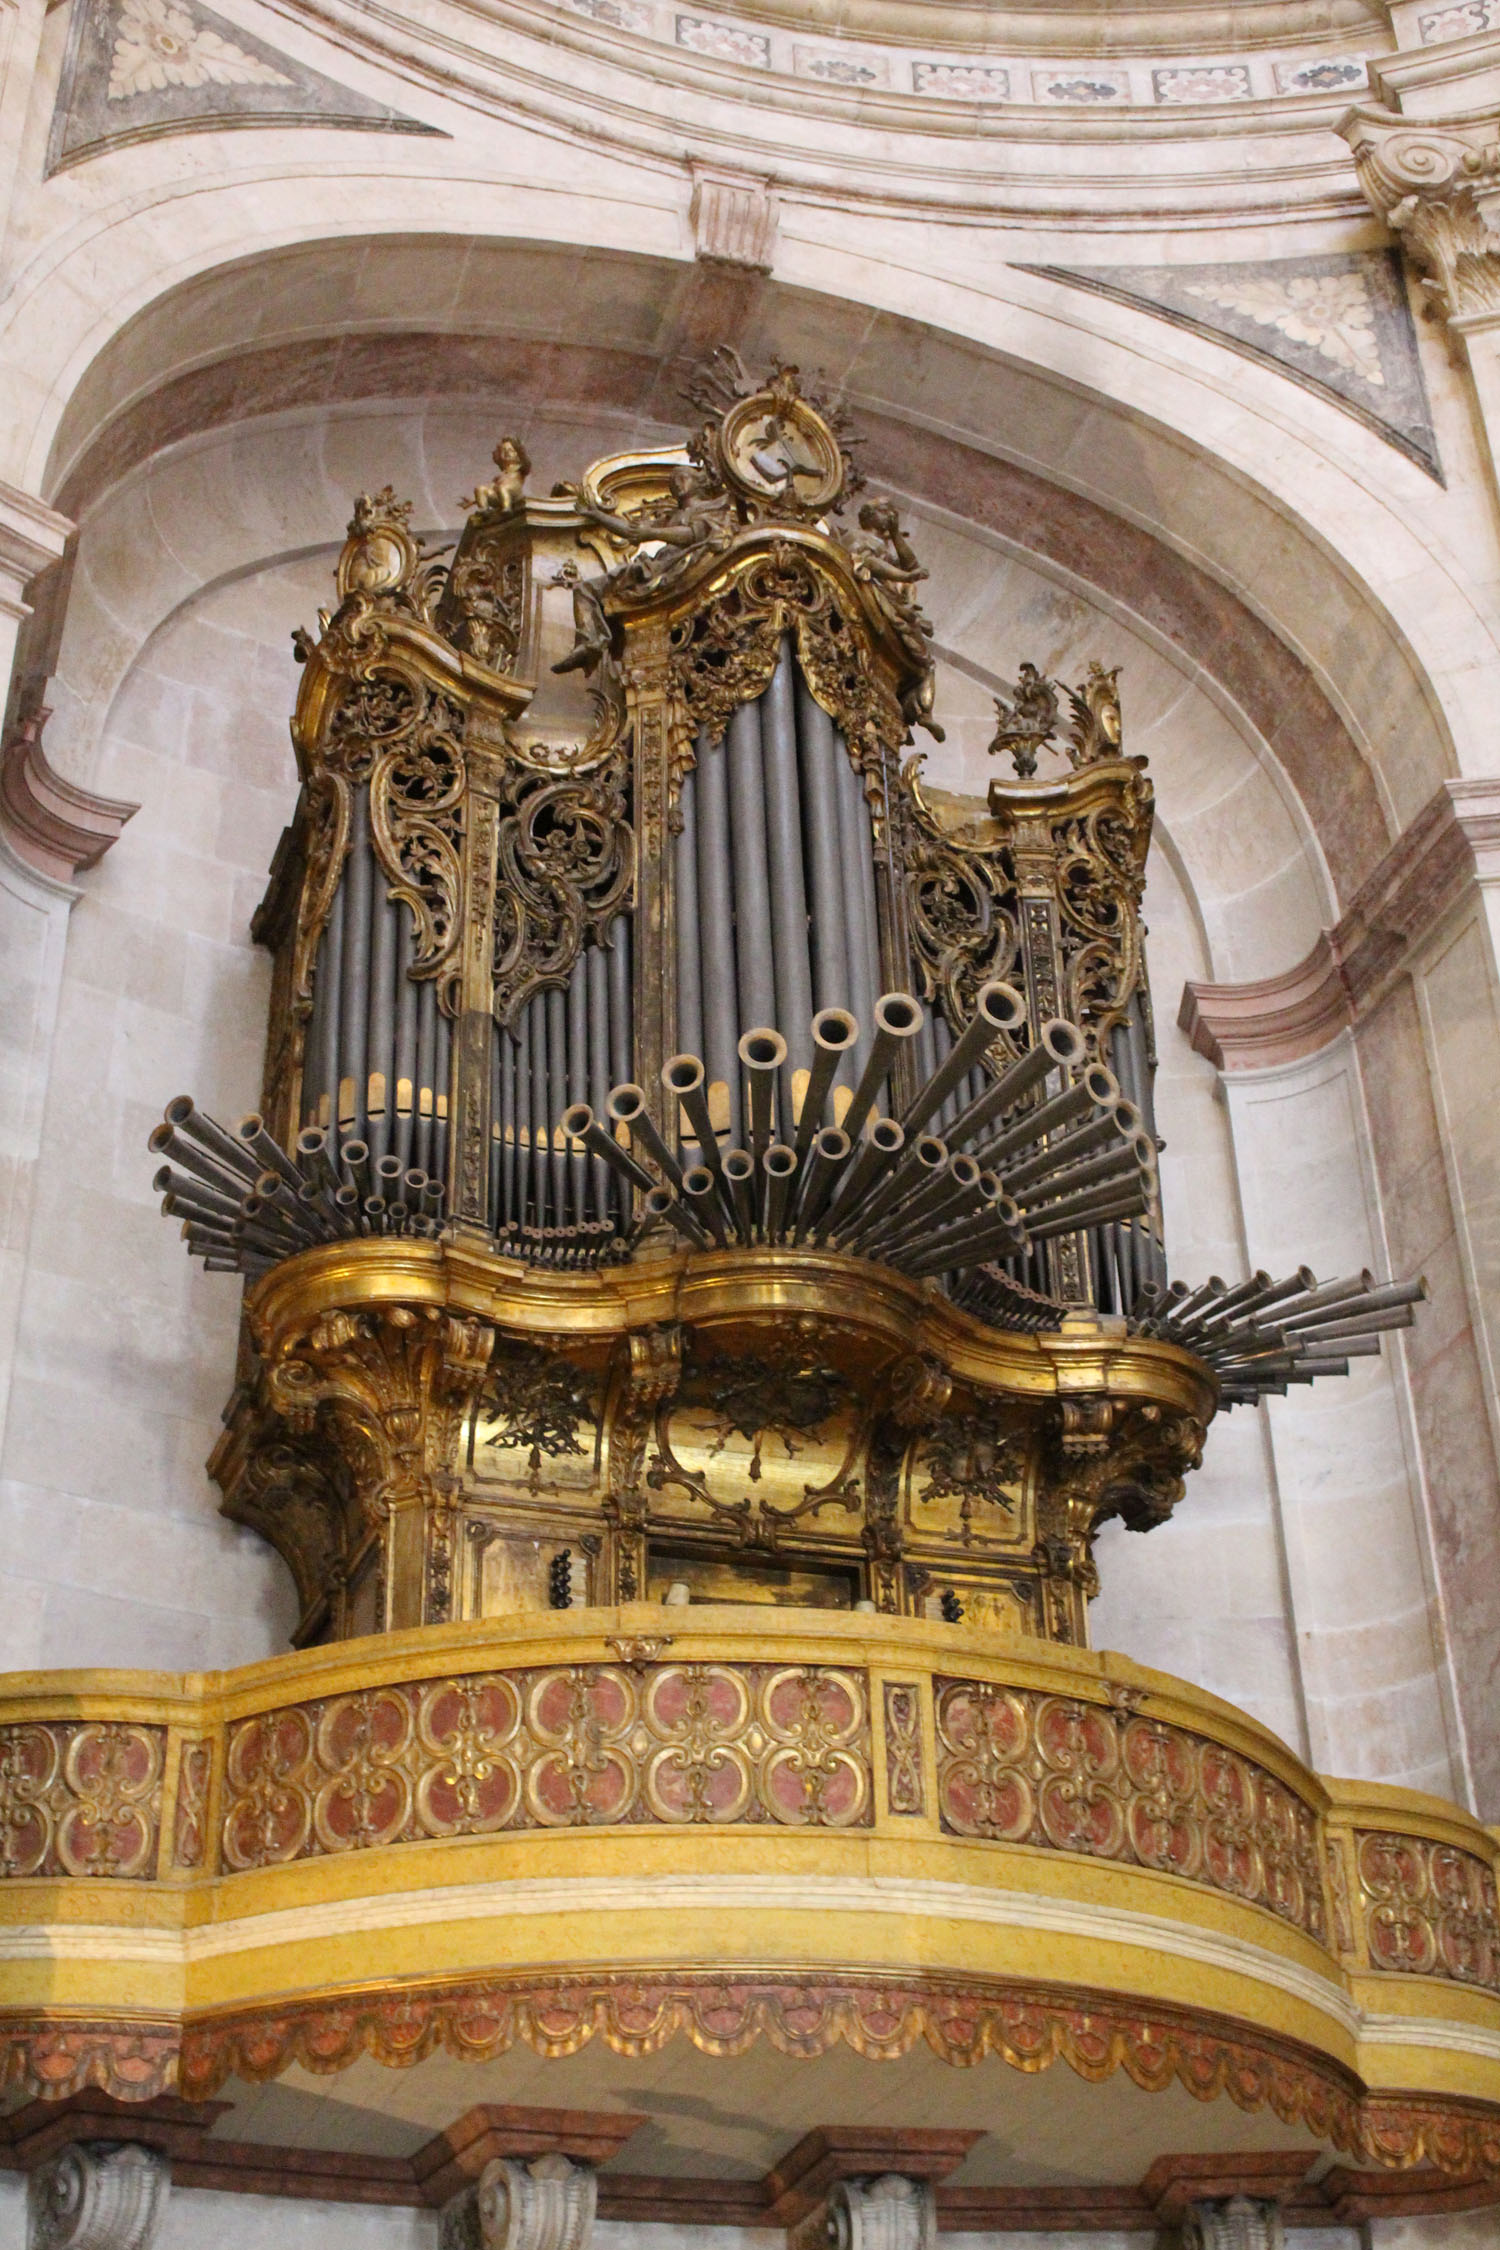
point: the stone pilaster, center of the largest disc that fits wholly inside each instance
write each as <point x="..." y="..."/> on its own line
<point x="99" y="2195"/>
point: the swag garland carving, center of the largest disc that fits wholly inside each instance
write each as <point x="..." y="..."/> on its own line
<point x="567" y="866"/>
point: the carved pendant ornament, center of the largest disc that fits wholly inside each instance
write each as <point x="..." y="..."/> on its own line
<point x="627" y="966"/>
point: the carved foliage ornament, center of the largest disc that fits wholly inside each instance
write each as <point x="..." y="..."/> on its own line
<point x="890" y="2213"/>
<point x="545" y="2205"/>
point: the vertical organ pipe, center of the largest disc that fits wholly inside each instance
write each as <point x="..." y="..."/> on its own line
<point x="423" y="1140"/>
<point x="576" y="1081"/>
<point x="403" y="1098"/>
<point x="717" y="975"/>
<point x="751" y="871"/>
<point x="518" y="1207"/>
<point x="596" y="969"/>
<point x="355" y="997"/>
<point x="557" y="1073"/>
<point x="381" y="1038"/>
<point x="541" y="1112"/>
<point x="689" y="939"/>
<point x="856" y="853"/>
<point x="817" y="750"/>
<point x="792" y="961"/>
<point x="442" y="1075"/>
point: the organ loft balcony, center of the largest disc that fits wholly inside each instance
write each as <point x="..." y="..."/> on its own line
<point x="705" y="1289"/>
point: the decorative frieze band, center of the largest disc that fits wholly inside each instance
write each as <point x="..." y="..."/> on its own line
<point x="80" y="1798"/>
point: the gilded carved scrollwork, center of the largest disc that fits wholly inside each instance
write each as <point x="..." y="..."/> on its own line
<point x="1429" y="1909"/>
<point x="80" y="1799"/>
<point x="397" y="1383"/>
<point x="567" y="866"/>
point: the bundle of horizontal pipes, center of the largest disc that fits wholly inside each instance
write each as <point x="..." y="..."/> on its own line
<point x="583" y="1248"/>
<point x="1264" y="1335"/>
<point x="245" y="1204"/>
<point x="885" y="1187"/>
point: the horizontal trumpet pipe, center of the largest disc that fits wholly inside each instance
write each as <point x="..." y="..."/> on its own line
<point x="883" y="1146"/>
<point x="661" y="1203"/>
<point x="1363" y="1323"/>
<point x="251" y="1133"/>
<point x="1329" y="1293"/>
<point x="922" y="1207"/>
<point x="627" y="1106"/>
<point x="827" y="1158"/>
<point x="987" y="1235"/>
<point x="190" y="1188"/>
<point x="312" y="1158"/>
<point x="194" y="1158"/>
<point x="1368" y="1300"/>
<point x="1264" y="1300"/>
<point x="739" y="1170"/>
<point x="1116" y="1164"/>
<point x="762" y="1053"/>
<point x="834" y="1032"/>
<point x="1095" y="1088"/>
<point x="908" y="1177"/>
<point x="898" y="1017"/>
<point x="682" y="1077"/>
<point x="701" y="1196"/>
<point x="184" y="1116"/>
<point x="1057" y="1045"/>
<point x="1090" y="1209"/>
<point x="1070" y="1148"/>
<point x="579" y="1123"/>
<point x="354" y="1155"/>
<point x="998" y="1008"/>
<point x="780" y="1167"/>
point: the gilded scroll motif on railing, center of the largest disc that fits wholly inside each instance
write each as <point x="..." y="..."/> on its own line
<point x="80" y="1799"/>
<point x="1019" y="1767"/>
<point x="584" y="1745"/>
<point x="1429" y="1909"/>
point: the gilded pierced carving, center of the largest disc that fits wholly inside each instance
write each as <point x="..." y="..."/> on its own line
<point x="535" y="1403"/>
<point x="566" y="866"/>
<point x="586" y="1745"/>
<point x="1429" y="1910"/>
<point x="80" y="1799"/>
<point x="1016" y="1766"/>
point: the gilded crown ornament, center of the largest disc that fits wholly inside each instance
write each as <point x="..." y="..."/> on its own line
<point x="688" y="1159"/>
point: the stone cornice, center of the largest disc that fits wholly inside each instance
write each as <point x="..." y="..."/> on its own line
<point x="53" y="826"/>
<point x="1453" y="842"/>
<point x="32" y="535"/>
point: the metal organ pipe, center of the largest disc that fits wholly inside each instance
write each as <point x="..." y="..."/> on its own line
<point x="354" y="999"/>
<point x="403" y="1094"/>
<point x="793" y="961"/>
<point x="754" y="957"/>
<point x="689" y="936"/>
<point x="816" y="752"/>
<point x="715" y="894"/>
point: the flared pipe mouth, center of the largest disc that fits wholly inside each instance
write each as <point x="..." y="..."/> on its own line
<point x="897" y="1014"/>
<point x="576" y="1120"/>
<point x="626" y="1104"/>
<point x="1001" y="1006"/>
<point x="762" y="1049"/>
<point x="835" y="1030"/>
<point x="683" y="1074"/>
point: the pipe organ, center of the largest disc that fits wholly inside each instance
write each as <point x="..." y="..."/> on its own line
<point x="696" y="1162"/>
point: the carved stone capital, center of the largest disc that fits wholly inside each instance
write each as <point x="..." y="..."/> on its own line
<point x="891" y="2213"/>
<point x="1235" y="2222"/>
<point x="54" y="827"/>
<point x="734" y="218"/>
<point x="545" y="2205"/>
<point x="1437" y="186"/>
<point x="97" y="2196"/>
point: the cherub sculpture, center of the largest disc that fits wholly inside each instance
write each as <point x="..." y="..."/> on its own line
<point x="1026" y="720"/>
<point x="887" y="564"/>
<point x="694" y="519"/>
<point x="504" y="492"/>
<point x="590" y="625"/>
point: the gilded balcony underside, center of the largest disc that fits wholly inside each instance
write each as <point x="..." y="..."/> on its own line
<point x="432" y="1433"/>
<point x="738" y="1825"/>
